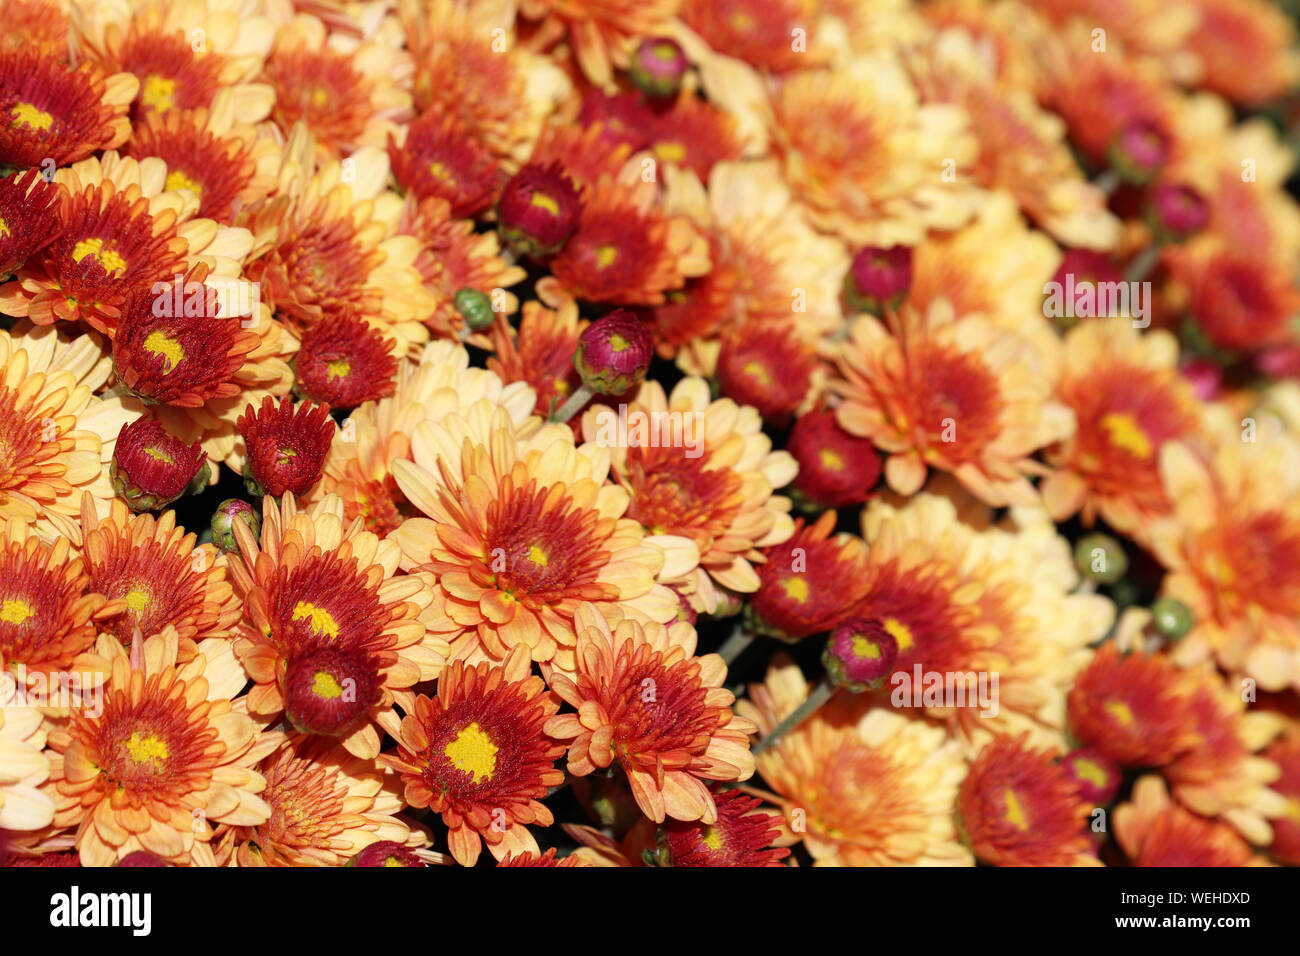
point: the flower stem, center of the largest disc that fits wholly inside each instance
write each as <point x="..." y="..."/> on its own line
<point x="821" y="693"/>
<point x="735" y="645"/>
<point x="1107" y="181"/>
<point x="1143" y="263"/>
<point x="572" y="404"/>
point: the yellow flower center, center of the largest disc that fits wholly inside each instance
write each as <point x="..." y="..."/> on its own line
<point x="159" y="92"/>
<point x="902" y="633"/>
<point x="319" y="620"/>
<point x="473" y="752"/>
<point x="1015" y="811"/>
<point x="605" y="256"/>
<point x="1120" y="711"/>
<point x="795" y="588"/>
<point x="759" y="371"/>
<point x="711" y="838"/>
<point x="158" y="454"/>
<point x="159" y="342"/>
<point x="618" y="343"/>
<point x="538" y="556"/>
<point x="865" y="648"/>
<point x="831" y="460"/>
<point x="5" y="231"/>
<point x="338" y="368"/>
<point x="146" y="748"/>
<point x="1124" y="432"/>
<point x="320" y="98"/>
<point x="137" y="599"/>
<point x="107" y="258"/>
<point x="31" y="117"/>
<point x="742" y="21"/>
<point x="543" y="201"/>
<point x="324" y="684"/>
<point x="670" y="152"/>
<point x="664" y="51"/>
<point x="440" y="172"/>
<point x="178" y="180"/>
<point x="15" y="611"/>
<point x="392" y="861"/>
<point x="1091" y="772"/>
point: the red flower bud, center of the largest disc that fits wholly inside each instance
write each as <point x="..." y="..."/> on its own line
<point x="836" y="469"/>
<point x="538" y="210"/>
<point x="657" y="67"/>
<point x="614" y="353"/>
<point x="877" y="279"/>
<point x="150" y="468"/>
<point x="287" y="445"/>
<point x="859" y="654"/>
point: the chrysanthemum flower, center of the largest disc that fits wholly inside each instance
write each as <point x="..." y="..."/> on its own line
<point x="167" y="757"/>
<point x="614" y="353"/>
<point x="601" y="34"/>
<point x="326" y="806"/>
<point x="711" y="482"/>
<point x="28" y="218"/>
<point x="662" y="715"/>
<point x="741" y="836"/>
<point x="56" y="437"/>
<point x="960" y="395"/>
<point x="23" y="804"/>
<point x="1018" y="807"/>
<point x="627" y="249"/>
<point x="540" y="352"/>
<point x="539" y="209"/>
<point x="863" y="785"/>
<point x="478" y="754"/>
<point x="151" y="468"/>
<point x="1128" y="399"/>
<point x="1246" y="50"/>
<point x="387" y="853"/>
<point x="1285" y="753"/>
<point x="287" y="445"/>
<point x="1240" y="301"/>
<point x="155" y="576"/>
<point x="694" y="134"/>
<point x="521" y="531"/>
<point x="756" y="31"/>
<point x="811" y="582"/>
<point x="330" y="633"/>
<point x="437" y="158"/>
<point x="770" y="369"/>
<point x="34" y="23"/>
<point x="58" y="112"/>
<point x="836" y="469"/>
<point x="1135" y="709"/>
<point x="1153" y="830"/>
<point x="349" y="94"/>
<point x="122" y="231"/>
<point x="600" y="143"/>
<point x="1097" y="776"/>
<point x="343" y="361"/>
<point x="547" y="859"/>
<point x="1232" y="548"/>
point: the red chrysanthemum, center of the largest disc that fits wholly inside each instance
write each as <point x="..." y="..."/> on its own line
<point x="216" y="168"/>
<point x="695" y="135"/>
<point x="741" y="835"/>
<point x="878" y="279"/>
<point x="1096" y="775"/>
<point x="859" y="653"/>
<point x="546" y="859"/>
<point x="811" y="582"/>
<point x="622" y="119"/>
<point x="172" y="74"/>
<point x="539" y="353"/>
<point x="343" y="361"/>
<point x="151" y="468"/>
<point x="386" y="853"/>
<point x="287" y="445"/>
<point x="1018" y="807"/>
<point x="836" y="469"/>
<point x="767" y="367"/>
<point x="478" y="755"/>
<point x="329" y="690"/>
<point x="539" y="210"/>
<point x="440" y="159"/>
<point x="1243" y="301"/>
<point x="28" y="218"/>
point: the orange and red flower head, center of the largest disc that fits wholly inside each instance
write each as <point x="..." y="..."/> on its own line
<point x="477" y="753"/>
<point x="1018" y="807"/>
<point x="287" y="445"/>
<point x="614" y="353"/>
<point x="538" y="210"/>
<point x="216" y="169"/>
<point x="28" y="218"/>
<point x="878" y="279"/>
<point x="440" y="159"/>
<point x="741" y="836"/>
<point x="836" y="469"/>
<point x="328" y="688"/>
<point x="343" y="361"/>
<point x="53" y="111"/>
<point x="150" y="468"/>
<point x="386" y="853"/>
<point x="766" y="367"/>
<point x="1096" y="775"/>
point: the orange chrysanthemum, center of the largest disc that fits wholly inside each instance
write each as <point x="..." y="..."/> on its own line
<point x="601" y="33"/>
<point x="437" y="158"/>
<point x="1152" y="830"/>
<point x="1247" y="50"/>
<point x="741" y="836"/>
<point x="662" y="715"/>
<point x="757" y="32"/>
<point x="1285" y="753"/>
<point x="478" y="755"/>
<point x="540" y="352"/>
<point x="547" y="859"/>
<point x="28" y="218"/>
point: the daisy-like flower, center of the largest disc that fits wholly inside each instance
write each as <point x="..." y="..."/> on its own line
<point x="1128" y="399"/>
<point x="478" y="755"/>
<point x="330" y="633"/>
<point x="326" y="806"/>
<point x="1018" y="807"/>
<point x="714" y="485"/>
<point x="435" y="157"/>
<point x="836" y="469"/>
<point x="960" y="395"/>
<point x="343" y="362"/>
<point x="122" y="232"/>
<point x="56" y="437"/>
<point x="1241" y="302"/>
<point x="627" y="249"/>
<point x="540" y="352"/>
<point x="1232" y="548"/>
<point x="28" y="218"/>
<point x="23" y="804"/>
<point x="522" y="530"/>
<point x="694" y="134"/>
<point x="155" y="576"/>
<point x="810" y="583"/>
<point x="349" y="94"/>
<point x="1153" y="830"/>
<point x="539" y="209"/>
<point x="287" y="445"/>
<point x="873" y="175"/>
<point x="742" y="835"/>
<point x="601" y="34"/>
<point x="1228" y="36"/>
<point x="757" y="32"/>
<point x="1134" y="709"/>
<point x="167" y="756"/>
<point x="662" y="715"/>
<point x="150" y="468"/>
<point x="993" y="602"/>
<point x="863" y="785"/>
<point x="768" y="368"/>
<point x="34" y="23"/>
<point x="58" y="112"/>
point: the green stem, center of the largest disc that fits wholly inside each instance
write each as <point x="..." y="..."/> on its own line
<point x="1143" y="264"/>
<point x="572" y="404"/>
<point x="1107" y="181"/>
<point x="821" y="693"/>
<point x="735" y="645"/>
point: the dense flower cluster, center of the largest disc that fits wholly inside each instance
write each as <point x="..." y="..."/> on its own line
<point x="669" y="433"/>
